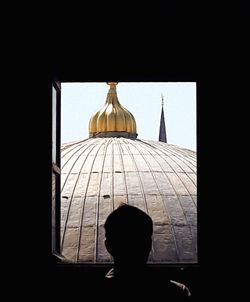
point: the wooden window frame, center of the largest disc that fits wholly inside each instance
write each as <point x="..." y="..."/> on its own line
<point x="56" y="171"/>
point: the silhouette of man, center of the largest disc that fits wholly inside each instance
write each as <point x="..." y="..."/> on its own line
<point x="128" y="232"/>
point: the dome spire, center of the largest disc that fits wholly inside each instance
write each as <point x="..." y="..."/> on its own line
<point x="112" y="84"/>
<point x="112" y="120"/>
<point x="162" y="132"/>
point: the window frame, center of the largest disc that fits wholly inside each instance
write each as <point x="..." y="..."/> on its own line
<point x="56" y="170"/>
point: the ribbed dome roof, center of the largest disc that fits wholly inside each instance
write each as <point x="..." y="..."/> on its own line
<point x="98" y="174"/>
<point x="112" y="119"/>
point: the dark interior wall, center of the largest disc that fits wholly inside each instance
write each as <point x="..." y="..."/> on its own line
<point x="209" y="46"/>
<point x="146" y="57"/>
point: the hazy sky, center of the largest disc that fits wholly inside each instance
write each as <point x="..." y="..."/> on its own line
<point x="143" y="100"/>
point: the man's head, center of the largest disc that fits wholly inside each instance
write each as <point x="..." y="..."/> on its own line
<point x="128" y="233"/>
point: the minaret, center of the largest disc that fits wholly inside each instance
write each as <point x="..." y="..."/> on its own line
<point x="162" y="133"/>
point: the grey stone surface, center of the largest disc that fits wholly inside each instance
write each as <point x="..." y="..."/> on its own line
<point x="98" y="174"/>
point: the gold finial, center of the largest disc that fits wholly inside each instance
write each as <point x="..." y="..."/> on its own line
<point x="112" y="119"/>
<point x="112" y="84"/>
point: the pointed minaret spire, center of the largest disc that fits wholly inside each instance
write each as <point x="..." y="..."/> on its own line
<point x="162" y="133"/>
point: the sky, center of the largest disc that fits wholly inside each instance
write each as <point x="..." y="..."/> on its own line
<point x="144" y="100"/>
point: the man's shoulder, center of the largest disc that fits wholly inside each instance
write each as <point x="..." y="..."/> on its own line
<point x="150" y="286"/>
<point x="170" y="288"/>
<point x="180" y="288"/>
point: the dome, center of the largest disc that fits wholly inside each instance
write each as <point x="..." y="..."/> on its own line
<point x="99" y="173"/>
<point x="112" y="118"/>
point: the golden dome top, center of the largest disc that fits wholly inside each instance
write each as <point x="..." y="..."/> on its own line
<point x="112" y="119"/>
